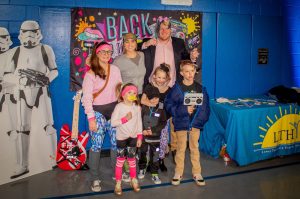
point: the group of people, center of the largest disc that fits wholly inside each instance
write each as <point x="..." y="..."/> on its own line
<point x="136" y="99"/>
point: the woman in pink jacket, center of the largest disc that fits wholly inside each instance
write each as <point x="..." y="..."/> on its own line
<point x="99" y="100"/>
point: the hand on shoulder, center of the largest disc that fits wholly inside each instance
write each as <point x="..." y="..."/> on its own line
<point x="150" y="42"/>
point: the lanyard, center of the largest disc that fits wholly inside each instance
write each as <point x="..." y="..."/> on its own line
<point x="152" y="110"/>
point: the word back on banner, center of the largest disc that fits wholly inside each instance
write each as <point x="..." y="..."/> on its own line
<point x="90" y="25"/>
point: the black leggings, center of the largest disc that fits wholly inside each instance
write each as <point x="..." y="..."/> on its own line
<point x="126" y="148"/>
<point x="106" y="109"/>
<point x="153" y="155"/>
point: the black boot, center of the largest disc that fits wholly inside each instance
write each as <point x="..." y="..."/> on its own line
<point x="173" y="156"/>
<point x="162" y="165"/>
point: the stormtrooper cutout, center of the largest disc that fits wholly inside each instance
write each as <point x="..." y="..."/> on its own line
<point x="5" y="41"/>
<point x="30" y="69"/>
<point x="6" y="89"/>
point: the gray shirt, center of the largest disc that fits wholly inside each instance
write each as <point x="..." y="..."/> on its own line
<point x="132" y="72"/>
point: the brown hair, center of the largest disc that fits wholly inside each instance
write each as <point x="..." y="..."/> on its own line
<point x="166" y="21"/>
<point x="186" y="62"/>
<point x="95" y="65"/>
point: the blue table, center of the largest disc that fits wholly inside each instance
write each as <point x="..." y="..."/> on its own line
<point x="252" y="133"/>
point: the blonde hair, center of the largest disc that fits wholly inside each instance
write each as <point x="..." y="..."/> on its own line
<point x="164" y="68"/>
<point x="186" y="62"/>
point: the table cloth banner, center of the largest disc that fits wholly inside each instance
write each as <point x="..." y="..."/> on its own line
<point x="252" y="133"/>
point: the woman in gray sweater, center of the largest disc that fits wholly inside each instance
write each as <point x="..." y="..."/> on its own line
<point x="131" y="63"/>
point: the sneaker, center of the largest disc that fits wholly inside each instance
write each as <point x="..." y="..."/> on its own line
<point x="156" y="179"/>
<point x="176" y="179"/>
<point x="118" y="188"/>
<point x="125" y="177"/>
<point x="199" y="180"/>
<point x="141" y="174"/>
<point x="96" y="186"/>
<point x="135" y="185"/>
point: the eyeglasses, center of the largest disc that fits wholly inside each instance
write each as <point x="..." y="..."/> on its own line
<point x="105" y="52"/>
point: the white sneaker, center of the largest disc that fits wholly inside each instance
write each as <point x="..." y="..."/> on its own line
<point x="199" y="180"/>
<point x="126" y="177"/>
<point x="96" y="186"/>
<point x="141" y="174"/>
<point x="176" y="179"/>
<point x="156" y="179"/>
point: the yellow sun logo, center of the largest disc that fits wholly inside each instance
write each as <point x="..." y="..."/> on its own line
<point x="192" y="24"/>
<point x="83" y="24"/>
<point x="282" y="129"/>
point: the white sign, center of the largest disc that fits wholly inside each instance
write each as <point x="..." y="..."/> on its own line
<point x="177" y="2"/>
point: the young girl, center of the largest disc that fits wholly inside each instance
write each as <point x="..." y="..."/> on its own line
<point x="128" y="122"/>
<point x="154" y="122"/>
<point x="105" y="77"/>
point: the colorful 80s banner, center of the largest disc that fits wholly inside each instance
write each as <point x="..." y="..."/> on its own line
<point x="91" y="25"/>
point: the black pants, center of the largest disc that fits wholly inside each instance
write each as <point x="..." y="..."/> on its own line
<point x="106" y="109"/>
<point x="126" y="148"/>
<point x="153" y="155"/>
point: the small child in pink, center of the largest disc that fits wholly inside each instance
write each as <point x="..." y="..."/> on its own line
<point x="127" y="119"/>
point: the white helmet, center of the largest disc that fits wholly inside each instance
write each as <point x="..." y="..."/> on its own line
<point x="30" y="34"/>
<point x="5" y="41"/>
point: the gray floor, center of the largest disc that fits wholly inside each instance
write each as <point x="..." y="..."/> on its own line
<point x="275" y="178"/>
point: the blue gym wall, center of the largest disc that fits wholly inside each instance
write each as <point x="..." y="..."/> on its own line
<point x="233" y="30"/>
<point x="291" y="17"/>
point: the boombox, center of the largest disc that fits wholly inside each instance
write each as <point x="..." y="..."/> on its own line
<point x="193" y="99"/>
